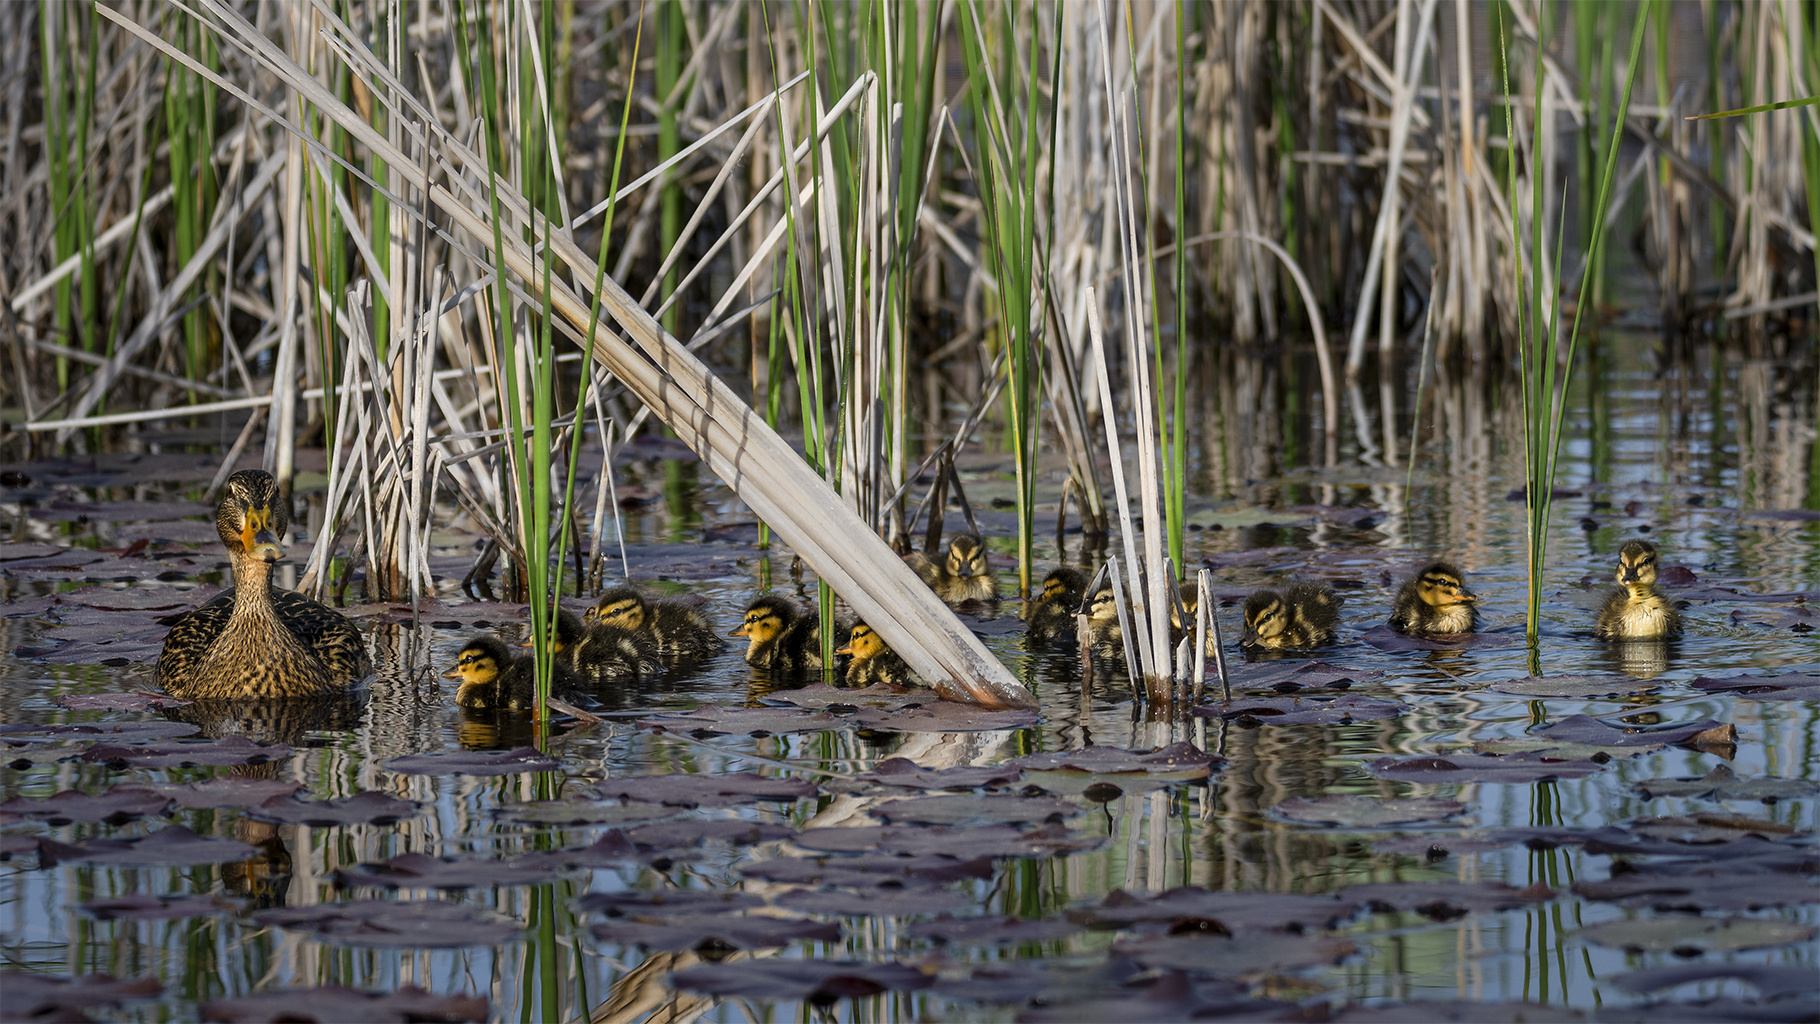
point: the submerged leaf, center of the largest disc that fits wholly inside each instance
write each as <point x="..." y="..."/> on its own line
<point x="137" y="907"/>
<point x="687" y="789"/>
<point x="1575" y="687"/>
<point x="1463" y="768"/>
<point x="172" y="846"/>
<point x="715" y="932"/>
<point x="1719" y="784"/>
<point x="711" y="720"/>
<point x="1234" y="956"/>
<point x="365" y="808"/>
<point x="116" y="806"/>
<point x="1787" y="686"/>
<point x="1342" y="710"/>
<point x="428" y="924"/>
<point x="955" y="809"/>
<point x="901" y="771"/>
<point x="817" y="982"/>
<point x="474" y="762"/>
<point x="333" y="1004"/>
<point x="422" y="871"/>
<point x="1702" y="934"/>
<point x="225" y="751"/>
<point x="1365" y="812"/>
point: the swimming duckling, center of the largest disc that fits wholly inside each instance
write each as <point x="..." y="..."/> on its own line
<point x="602" y="653"/>
<point x="1052" y="616"/>
<point x="1103" y="629"/>
<point x="781" y="637"/>
<point x="253" y="641"/>
<point x="681" y="632"/>
<point x="1301" y="615"/>
<point x="964" y="575"/>
<point x="492" y="679"/>
<point x="1435" y="600"/>
<point x="1635" y="611"/>
<point x="873" y="662"/>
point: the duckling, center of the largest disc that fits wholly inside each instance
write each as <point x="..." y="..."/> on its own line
<point x="1052" y="615"/>
<point x="873" y="662"/>
<point x="781" y="637"/>
<point x="253" y="641"/>
<point x="492" y="679"/>
<point x="681" y="633"/>
<point x="1103" y="629"/>
<point x="1435" y="600"/>
<point x="1301" y="615"/>
<point x="603" y="653"/>
<point x="964" y="575"/>
<point x="1635" y="611"/>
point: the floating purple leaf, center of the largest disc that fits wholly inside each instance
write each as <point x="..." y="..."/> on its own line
<point x="1232" y="911"/>
<point x="1464" y="768"/>
<point x="119" y="732"/>
<point x="988" y="931"/>
<point x="1171" y="997"/>
<point x="693" y="790"/>
<point x="228" y="791"/>
<point x="820" y="696"/>
<point x="1343" y="710"/>
<point x="942" y="716"/>
<point x="225" y="751"/>
<point x="117" y="805"/>
<point x="172" y="846"/>
<point x="12" y="846"/>
<point x="139" y="907"/>
<point x="474" y="762"/>
<point x="422" y="871"/>
<point x="1438" y="1011"/>
<point x="713" y="721"/>
<point x="901" y="771"/>
<point x="1772" y="981"/>
<point x="1787" y="686"/>
<point x="365" y="808"/>
<point x="714" y="932"/>
<point x="1439" y="847"/>
<point x="1177" y="761"/>
<point x="817" y="982"/>
<point x="581" y="812"/>
<point x="977" y="841"/>
<point x="660" y="903"/>
<point x="1445" y="901"/>
<point x="1234" y="956"/>
<point x="29" y="997"/>
<point x="1719" y="784"/>
<point x="1690" y="936"/>
<point x="1575" y="687"/>
<point x="428" y="924"/>
<point x="23" y="757"/>
<point x="1366" y="812"/>
<point x="610" y="850"/>
<point x="867" y="870"/>
<point x="957" y="808"/>
<point x="737" y="831"/>
<point x="137" y="701"/>
<point x="873" y="902"/>
<point x="1589" y="731"/>
<point x="333" y="1004"/>
<point x="1289" y="676"/>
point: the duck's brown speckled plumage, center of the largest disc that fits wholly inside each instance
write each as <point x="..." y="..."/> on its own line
<point x="681" y="633"/>
<point x="1435" y="600"/>
<point x="1300" y="615"/>
<point x="873" y="662"/>
<point x="1635" y="611"/>
<point x="1052" y="613"/>
<point x="253" y="641"/>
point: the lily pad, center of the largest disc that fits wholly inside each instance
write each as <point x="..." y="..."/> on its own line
<point x="1586" y="730"/>
<point x="225" y="751"/>
<point x="901" y="771"/>
<point x="118" y="702"/>
<point x="1445" y="901"/>
<point x="426" y="924"/>
<point x="117" y="511"/>
<point x="365" y="808"/>
<point x="1787" y="686"/>
<point x="1192" y="907"/>
<point x="119" y="732"/>
<point x="1575" y="687"/>
<point x="817" y="982"/>
<point x="667" y="902"/>
<point x="1173" y="996"/>
<point x="736" y="831"/>
<point x="611" y="850"/>
<point x="821" y="696"/>
<point x="692" y="790"/>
<point x="1696" y="934"/>
<point x="1343" y="710"/>
<point x="715" y="932"/>
<point x="228" y="791"/>
<point x="977" y="841"/>
<point x="1772" y="981"/>
<point x="172" y="846"/>
<point x="1289" y="676"/>
<point x="1234" y="956"/>
<point x="709" y="720"/>
<point x="474" y="762"/>
<point x="116" y="806"/>
<point x="990" y="931"/>
<point x="25" y="996"/>
<point x="1384" y="638"/>
<point x="139" y="907"/>
<point x="1723" y="885"/>
<point x="1463" y="768"/>
<point x="12" y="846"/>
<point x="868" y="870"/>
<point x="955" y="809"/>
<point x="580" y="812"/>
<point x="20" y="758"/>
<point x="1439" y="847"/>
<point x="1719" y="784"/>
<point x="333" y="1004"/>
<point x="872" y="902"/>
<point x="422" y="871"/>
<point x="1366" y="812"/>
<point x="1178" y="761"/>
<point x="1444" y="1011"/>
<point x="942" y="716"/>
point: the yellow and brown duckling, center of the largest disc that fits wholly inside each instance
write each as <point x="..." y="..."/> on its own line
<point x="781" y="637"/>
<point x="963" y="574"/>
<point x="873" y="662"/>
<point x="1435" y="600"/>
<point x="493" y="680"/>
<point x="1052" y="614"/>
<point x="601" y="653"/>
<point x="1103" y="630"/>
<point x="1635" y="611"/>
<point x="1298" y="616"/>
<point x="680" y="632"/>
<point x="252" y="641"/>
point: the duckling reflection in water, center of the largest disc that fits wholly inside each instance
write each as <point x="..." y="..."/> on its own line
<point x="1435" y="600"/>
<point x="780" y="637"/>
<point x="1299" y="616"/>
<point x="603" y="653"/>
<point x="1635" y="611"/>
<point x="492" y="679"/>
<point x="873" y="662"/>
<point x="679" y="632"/>
<point x="1052" y="614"/>
<point x="964" y="574"/>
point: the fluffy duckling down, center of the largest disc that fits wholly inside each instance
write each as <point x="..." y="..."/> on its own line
<point x="1435" y="600"/>
<point x="963" y="574"/>
<point x="1052" y="614"/>
<point x="874" y="662"/>
<point x="1635" y="611"/>
<point x="1299" y="616"/>
<point x="493" y="680"/>
<point x="600" y="653"/>
<point x="680" y="632"/>
<point x="781" y="637"/>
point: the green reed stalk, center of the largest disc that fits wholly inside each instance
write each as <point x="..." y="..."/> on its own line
<point x="190" y="118"/>
<point x="1175" y="455"/>
<point x="58" y="163"/>
<point x="670" y="37"/>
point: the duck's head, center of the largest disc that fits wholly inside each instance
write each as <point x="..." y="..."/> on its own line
<point x="863" y="644"/>
<point x="252" y="516"/>
<point x="1105" y="605"/>
<point x="622" y="607"/>
<point x="766" y="619"/>
<point x="480" y="662"/>
<point x="1266" y="615"/>
<point x="1637" y="564"/>
<point x="967" y="557"/>
<point x="1441" y="585"/>
<point x="569" y="629"/>
<point x="1063" y="586"/>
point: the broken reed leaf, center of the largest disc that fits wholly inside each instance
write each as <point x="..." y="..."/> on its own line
<point x="1173" y="996"/>
<point x="872" y="902"/>
<point x="229" y="750"/>
<point x="227" y="791"/>
<point x="1575" y="687"/>
<point x="1384" y="638"/>
<point x="1234" y="956"/>
<point x="581" y="812"/>
<point x="118" y="732"/>
<point x="694" y="790"/>
<point x="422" y="871"/>
<point x="1297" y="675"/>
<point x="659" y="903"/>
<point x="1445" y="901"/>
<point x="118" y="701"/>
<point x="711" y="720"/>
<point x="139" y="907"/>
<point x="1366" y="812"/>
<point x="116" y="806"/>
<point x="1692" y="935"/>
<point x="171" y="846"/>
<point x="957" y="808"/>
<point x="333" y="1004"/>
<point x="1234" y="911"/>
<point x="1772" y="981"/>
<point x="821" y="696"/>
<point x="1719" y="784"/>
<point x="714" y="932"/>
<point x="365" y="808"/>
<point x="903" y="772"/>
<point x="25" y="996"/>
<point x="1464" y="768"/>
<point x="1341" y="710"/>
<point x="991" y="931"/>
<point x="1786" y="686"/>
<point x="817" y="982"/>
<point x="474" y="762"/>
<point x="426" y="924"/>
<point x="977" y="841"/>
<point x="735" y="831"/>
<point x="1178" y="761"/>
<point x="868" y="870"/>
<point x="942" y="716"/>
